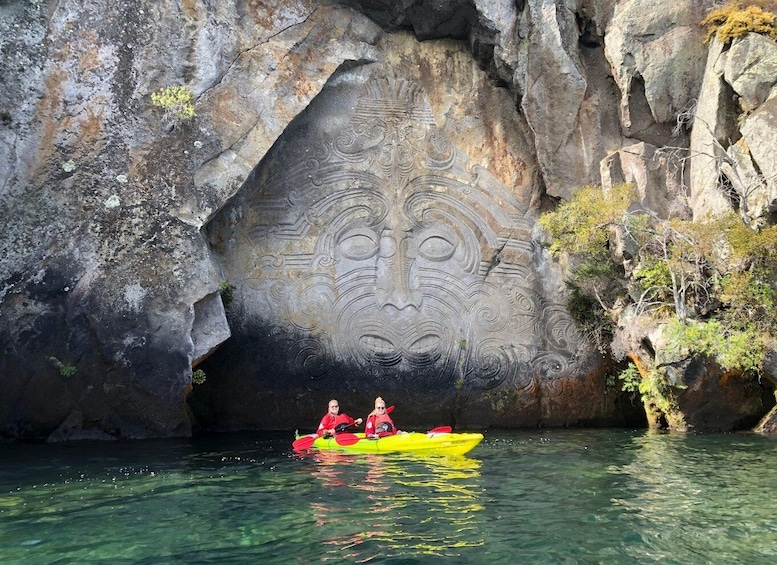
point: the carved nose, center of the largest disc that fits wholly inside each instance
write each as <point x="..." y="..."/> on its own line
<point x="398" y="298"/>
<point x="395" y="264"/>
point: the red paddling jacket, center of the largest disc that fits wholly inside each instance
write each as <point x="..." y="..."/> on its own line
<point x="380" y="425"/>
<point x="330" y="423"/>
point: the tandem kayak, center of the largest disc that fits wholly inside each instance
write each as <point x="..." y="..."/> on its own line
<point x="405" y="442"/>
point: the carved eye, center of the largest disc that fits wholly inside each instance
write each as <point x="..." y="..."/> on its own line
<point x="436" y="248"/>
<point x="358" y="245"/>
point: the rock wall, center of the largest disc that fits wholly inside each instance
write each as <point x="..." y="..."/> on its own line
<point x="384" y="247"/>
<point x="105" y="269"/>
<point x="121" y="228"/>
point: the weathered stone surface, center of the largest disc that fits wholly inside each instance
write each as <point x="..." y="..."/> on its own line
<point x="209" y="329"/>
<point x="747" y="72"/>
<point x="264" y="88"/>
<point x="72" y="430"/>
<point x="756" y="199"/>
<point x="429" y="19"/>
<point x="657" y="55"/>
<point x="656" y="176"/>
<point x="738" y="402"/>
<point x="759" y="132"/>
<point x="768" y="424"/>
<point x="714" y="124"/>
<point x="103" y="261"/>
<point x="569" y="105"/>
<point x="751" y="69"/>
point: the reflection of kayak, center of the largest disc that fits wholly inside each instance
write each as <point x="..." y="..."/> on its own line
<point x="410" y="442"/>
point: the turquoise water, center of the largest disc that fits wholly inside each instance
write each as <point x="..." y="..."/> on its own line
<point x="588" y="496"/>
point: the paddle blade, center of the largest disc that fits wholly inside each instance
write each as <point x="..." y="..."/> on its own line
<point x="441" y="430"/>
<point x="390" y="409"/>
<point x="346" y="439"/>
<point x="305" y="442"/>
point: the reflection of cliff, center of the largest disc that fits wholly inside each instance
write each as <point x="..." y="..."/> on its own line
<point x="398" y="505"/>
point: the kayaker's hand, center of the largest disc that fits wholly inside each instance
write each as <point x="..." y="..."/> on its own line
<point x="358" y="421"/>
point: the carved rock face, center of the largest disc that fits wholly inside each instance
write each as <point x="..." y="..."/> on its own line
<point x="370" y="253"/>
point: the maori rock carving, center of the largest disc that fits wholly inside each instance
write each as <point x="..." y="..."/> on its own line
<point x="389" y="252"/>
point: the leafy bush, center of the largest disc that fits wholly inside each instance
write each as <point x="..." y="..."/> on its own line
<point x="66" y="370"/>
<point x="584" y="223"/>
<point x="198" y="377"/>
<point x="631" y="378"/>
<point x="734" y="350"/>
<point x="227" y="293"/>
<point x="737" y="18"/>
<point x="653" y="388"/>
<point x="583" y="226"/>
<point x="749" y="299"/>
<point x="177" y="101"/>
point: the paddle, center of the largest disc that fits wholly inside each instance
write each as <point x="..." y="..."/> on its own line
<point x="346" y="439"/>
<point x="305" y="442"/>
<point x="340" y="428"/>
<point x="440" y="430"/>
<point x="341" y="438"/>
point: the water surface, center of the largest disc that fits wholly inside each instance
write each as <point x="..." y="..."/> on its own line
<point x="587" y="496"/>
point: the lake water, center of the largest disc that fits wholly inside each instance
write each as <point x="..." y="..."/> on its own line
<point x="577" y="496"/>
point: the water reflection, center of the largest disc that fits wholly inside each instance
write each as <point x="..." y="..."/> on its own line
<point x="695" y="494"/>
<point x="397" y="505"/>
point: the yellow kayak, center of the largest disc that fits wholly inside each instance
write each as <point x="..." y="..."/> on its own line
<point x="404" y="442"/>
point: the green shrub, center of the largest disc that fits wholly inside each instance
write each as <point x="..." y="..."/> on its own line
<point x="584" y="223"/>
<point x="653" y="388"/>
<point x="631" y="378"/>
<point x="592" y="320"/>
<point x="737" y="350"/>
<point x="656" y="391"/>
<point x="176" y="101"/>
<point x="227" y="293"/>
<point x="198" y="377"/>
<point x="66" y="370"/>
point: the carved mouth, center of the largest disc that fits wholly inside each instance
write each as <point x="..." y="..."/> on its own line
<point x="380" y="349"/>
<point x="377" y="345"/>
<point x="390" y="350"/>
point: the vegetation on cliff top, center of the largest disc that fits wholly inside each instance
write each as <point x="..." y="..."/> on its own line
<point x="739" y="17"/>
<point x="708" y="284"/>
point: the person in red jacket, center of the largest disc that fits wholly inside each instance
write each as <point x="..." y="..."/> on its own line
<point x="333" y="419"/>
<point x="379" y="423"/>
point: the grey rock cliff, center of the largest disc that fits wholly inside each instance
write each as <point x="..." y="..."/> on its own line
<point x="119" y="226"/>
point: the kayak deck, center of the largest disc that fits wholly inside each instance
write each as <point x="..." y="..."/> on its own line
<point x="409" y="442"/>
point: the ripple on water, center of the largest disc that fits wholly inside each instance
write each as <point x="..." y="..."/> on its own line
<point x="590" y="496"/>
